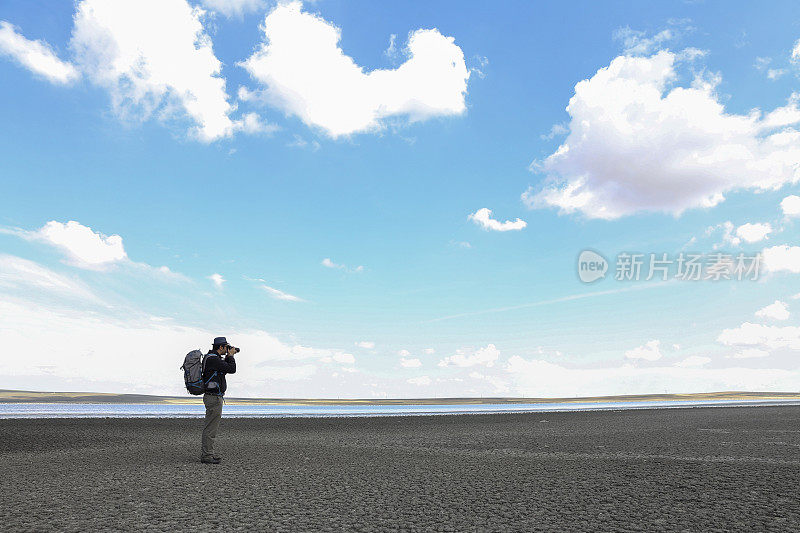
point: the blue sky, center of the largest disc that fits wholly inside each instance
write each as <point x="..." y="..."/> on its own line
<point x="339" y="189"/>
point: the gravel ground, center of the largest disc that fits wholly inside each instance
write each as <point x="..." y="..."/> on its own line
<point x="702" y="469"/>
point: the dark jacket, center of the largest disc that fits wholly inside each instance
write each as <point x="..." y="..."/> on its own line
<point x="214" y="371"/>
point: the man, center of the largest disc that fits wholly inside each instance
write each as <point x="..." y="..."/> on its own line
<point x="214" y="370"/>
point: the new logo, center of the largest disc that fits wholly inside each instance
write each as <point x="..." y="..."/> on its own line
<point x="591" y="266"/>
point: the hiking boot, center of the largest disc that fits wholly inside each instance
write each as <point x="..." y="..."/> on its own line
<point x="211" y="460"/>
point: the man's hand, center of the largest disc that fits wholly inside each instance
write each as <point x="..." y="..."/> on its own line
<point x="231" y="350"/>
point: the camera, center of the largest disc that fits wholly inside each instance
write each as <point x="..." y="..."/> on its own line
<point x="235" y="349"/>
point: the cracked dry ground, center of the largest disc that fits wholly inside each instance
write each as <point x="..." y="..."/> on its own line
<point x="710" y="469"/>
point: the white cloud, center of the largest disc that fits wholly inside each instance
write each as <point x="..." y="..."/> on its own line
<point x="777" y="311"/>
<point x="429" y="351"/>
<point x="154" y="56"/>
<point x="557" y="130"/>
<point x="693" y="361"/>
<point x="305" y="73"/>
<point x="36" y="56"/>
<point x="217" y="279"/>
<point x="791" y="205"/>
<point x="762" y="62"/>
<point x="410" y="363"/>
<point x="796" y="52"/>
<point x="330" y="264"/>
<point x="101" y="360"/>
<point x="480" y="67"/>
<point x="278" y="294"/>
<point x="391" y="50"/>
<point x="89" y="249"/>
<point x="421" y="380"/>
<point x="637" y="42"/>
<point x="759" y="335"/>
<point x="369" y="345"/>
<point x="234" y="8"/>
<point x="465" y="358"/>
<point x="728" y="235"/>
<point x="649" y="351"/>
<point x="754" y="232"/>
<point x="781" y="257"/>
<point x="403" y="353"/>
<point x="483" y="218"/>
<point x="251" y="123"/>
<point x="544" y="379"/>
<point x="635" y="144"/>
<point x="775" y="73"/>
<point x="25" y="277"/>
<point x="85" y="247"/>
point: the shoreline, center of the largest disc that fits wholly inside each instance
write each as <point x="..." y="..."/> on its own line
<point x="31" y="410"/>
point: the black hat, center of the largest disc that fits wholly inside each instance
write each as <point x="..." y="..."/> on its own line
<point x="220" y="341"/>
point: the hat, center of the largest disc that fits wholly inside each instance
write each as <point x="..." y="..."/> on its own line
<point x="220" y="341"/>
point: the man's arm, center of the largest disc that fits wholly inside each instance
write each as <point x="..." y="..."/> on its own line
<point x="229" y="364"/>
<point x="226" y="366"/>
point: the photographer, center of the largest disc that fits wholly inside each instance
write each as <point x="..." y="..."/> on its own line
<point x="214" y="370"/>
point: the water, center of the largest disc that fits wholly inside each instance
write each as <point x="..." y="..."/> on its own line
<point x="63" y="410"/>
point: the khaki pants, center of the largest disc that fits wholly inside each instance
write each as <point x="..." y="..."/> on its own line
<point x="213" y="405"/>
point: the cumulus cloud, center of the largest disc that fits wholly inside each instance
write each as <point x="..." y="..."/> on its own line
<point x="88" y="249"/>
<point x="234" y="8"/>
<point x="791" y="205"/>
<point x="85" y="247"/>
<point x="410" y="363"/>
<point x="796" y="52"/>
<point x="305" y="73"/>
<point x="36" y="56"/>
<point x="637" y="143"/>
<point x="776" y="311"/>
<point x="421" y="380"/>
<point x="759" y="335"/>
<point x="217" y="279"/>
<point x="336" y="266"/>
<point x="369" y="345"/>
<point x="781" y="258"/>
<point x="754" y="232"/>
<point x="154" y="56"/>
<point x="649" y="351"/>
<point x="465" y="358"/>
<point x="483" y="218"/>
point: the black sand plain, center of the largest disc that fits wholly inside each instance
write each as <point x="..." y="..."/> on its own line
<point x="701" y="469"/>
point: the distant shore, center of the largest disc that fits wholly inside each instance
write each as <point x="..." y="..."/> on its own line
<point x="19" y="396"/>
